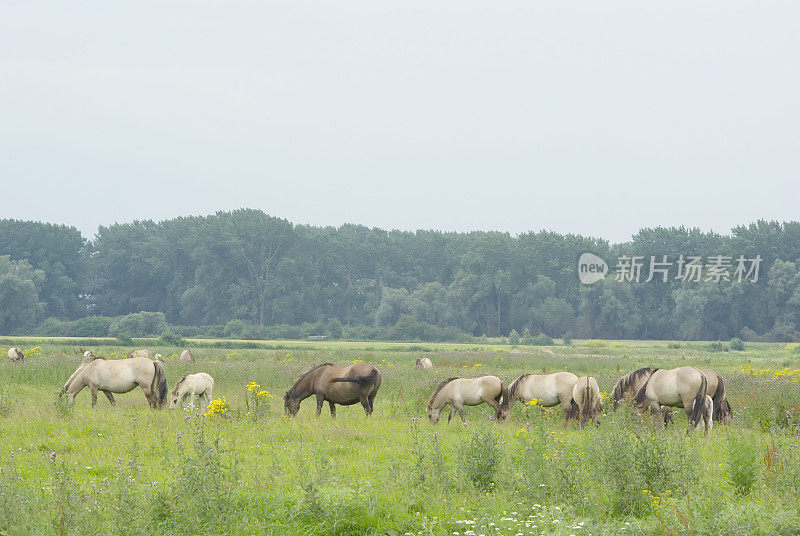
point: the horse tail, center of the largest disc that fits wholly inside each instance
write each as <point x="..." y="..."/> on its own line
<point x="722" y="408"/>
<point x="503" y="392"/>
<point x="511" y="393"/>
<point x="369" y="379"/>
<point x="699" y="401"/>
<point x="159" y="385"/>
<point x="588" y="402"/>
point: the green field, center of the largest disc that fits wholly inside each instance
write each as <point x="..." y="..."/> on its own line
<point x="132" y="470"/>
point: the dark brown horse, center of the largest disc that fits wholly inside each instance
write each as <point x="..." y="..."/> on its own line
<point x="338" y="385"/>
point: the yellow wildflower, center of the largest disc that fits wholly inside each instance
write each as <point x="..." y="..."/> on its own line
<point x="218" y="406"/>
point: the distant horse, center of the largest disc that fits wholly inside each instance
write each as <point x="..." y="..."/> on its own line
<point x="190" y="385"/>
<point x="16" y="355"/>
<point x="187" y="355"/>
<point x="630" y="384"/>
<point x="141" y="353"/>
<point x="549" y="389"/>
<point x="119" y="376"/>
<point x="587" y="404"/>
<point x="460" y="392"/>
<point x="706" y="421"/>
<point x="343" y="385"/>
<point x="682" y="387"/>
<point x="423" y="363"/>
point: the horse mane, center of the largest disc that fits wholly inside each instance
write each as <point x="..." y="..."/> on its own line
<point x="627" y="382"/>
<point x="305" y="375"/>
<point x="639" y="398"/>
<point x="512" y="391"/>
<point x="439" y="388"/>
<point x="175" y="391"/>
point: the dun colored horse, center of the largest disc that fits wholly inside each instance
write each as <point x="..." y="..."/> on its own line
<point x="460" y="392"/>
<point x="630" y="384"/>
<point x="190" y="385"/>
<point x="682" y="387"/>
<point x="345" y="386"/>
<point x="119" y="376"/>
<point x="423" y="363"/>
<point x="16" y="355"/>
<point x="587" y="404"/>
<point x="549" y="389"/>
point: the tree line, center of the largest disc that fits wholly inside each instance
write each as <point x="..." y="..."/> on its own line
<point x="246" y="274"/>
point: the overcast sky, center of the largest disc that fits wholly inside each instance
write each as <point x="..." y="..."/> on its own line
<point x="590" y="117"/>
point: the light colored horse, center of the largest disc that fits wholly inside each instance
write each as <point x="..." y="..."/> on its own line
<point x="190" y="385"/>
<point x="549" y="389"/>
<point x="460" y="392"/>
<point x="187" y="356"/>
<point x="630" y="384"/>
<point x="345" y="385"/>
<point x="141" y="353"/>
<point x="706" y="421"/>
<point x="423" y="363"/>
<point x="679" y="387"/>
<point x="15" y="355"/>
<point x="119" y="376"/>
<point x="587" y="404"/>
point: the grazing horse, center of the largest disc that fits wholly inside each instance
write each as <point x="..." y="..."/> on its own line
<point x="682" y="387"/>
<point x="345" y="386"/>
<point x="549" y="389"/>
<point x="630" y="384"/>
<point x="141" y="353"/>
<point x="423" y="363"/>
<point x="187" y="356"/>
<point x="193" y="384"/>
<point x="119" y="376"/>
<point x="706" y="415"/>
<point x="460" y="392"/>
<point x="587" y="404"/>
<point x="16" y="355"/>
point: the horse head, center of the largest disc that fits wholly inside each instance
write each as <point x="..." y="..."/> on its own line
<point x="291" y="404"/>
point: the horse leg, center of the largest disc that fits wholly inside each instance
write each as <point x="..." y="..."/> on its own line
<point x="191" y="400"/>
<point x="148" y="394"/>
<point x="460" y="408"/>
<point x="333" y="409"/>
<point x="371" y="400"/>
<point x="94" y="396"/>
<point x="452" y="411"/>
<point x="365" y="402"/>
<point x="320" y="401"/>
<point x="110" y="397"/>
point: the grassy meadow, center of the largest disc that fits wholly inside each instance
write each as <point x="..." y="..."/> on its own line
<point x="249" y="470"/>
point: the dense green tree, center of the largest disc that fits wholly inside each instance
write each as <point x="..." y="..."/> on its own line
<point x="20" y="284"/>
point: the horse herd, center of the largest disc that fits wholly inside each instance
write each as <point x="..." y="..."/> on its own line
<point x="701" y="393"/>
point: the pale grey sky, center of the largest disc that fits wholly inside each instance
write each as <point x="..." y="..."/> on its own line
<point x="588" y="117"/>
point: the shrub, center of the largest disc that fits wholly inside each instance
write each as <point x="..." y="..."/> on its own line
<point x="124" y="339"/>
<point x="513" y="337"/>
<point x="171" y="339"/>
<point x="742" y="468"/>
<point x="737" y="344"/>
<point x="143" y="324"/>
<point x="542" y="340"/>
<point x="567" y="339"/>
<point x="480" y="459"/>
